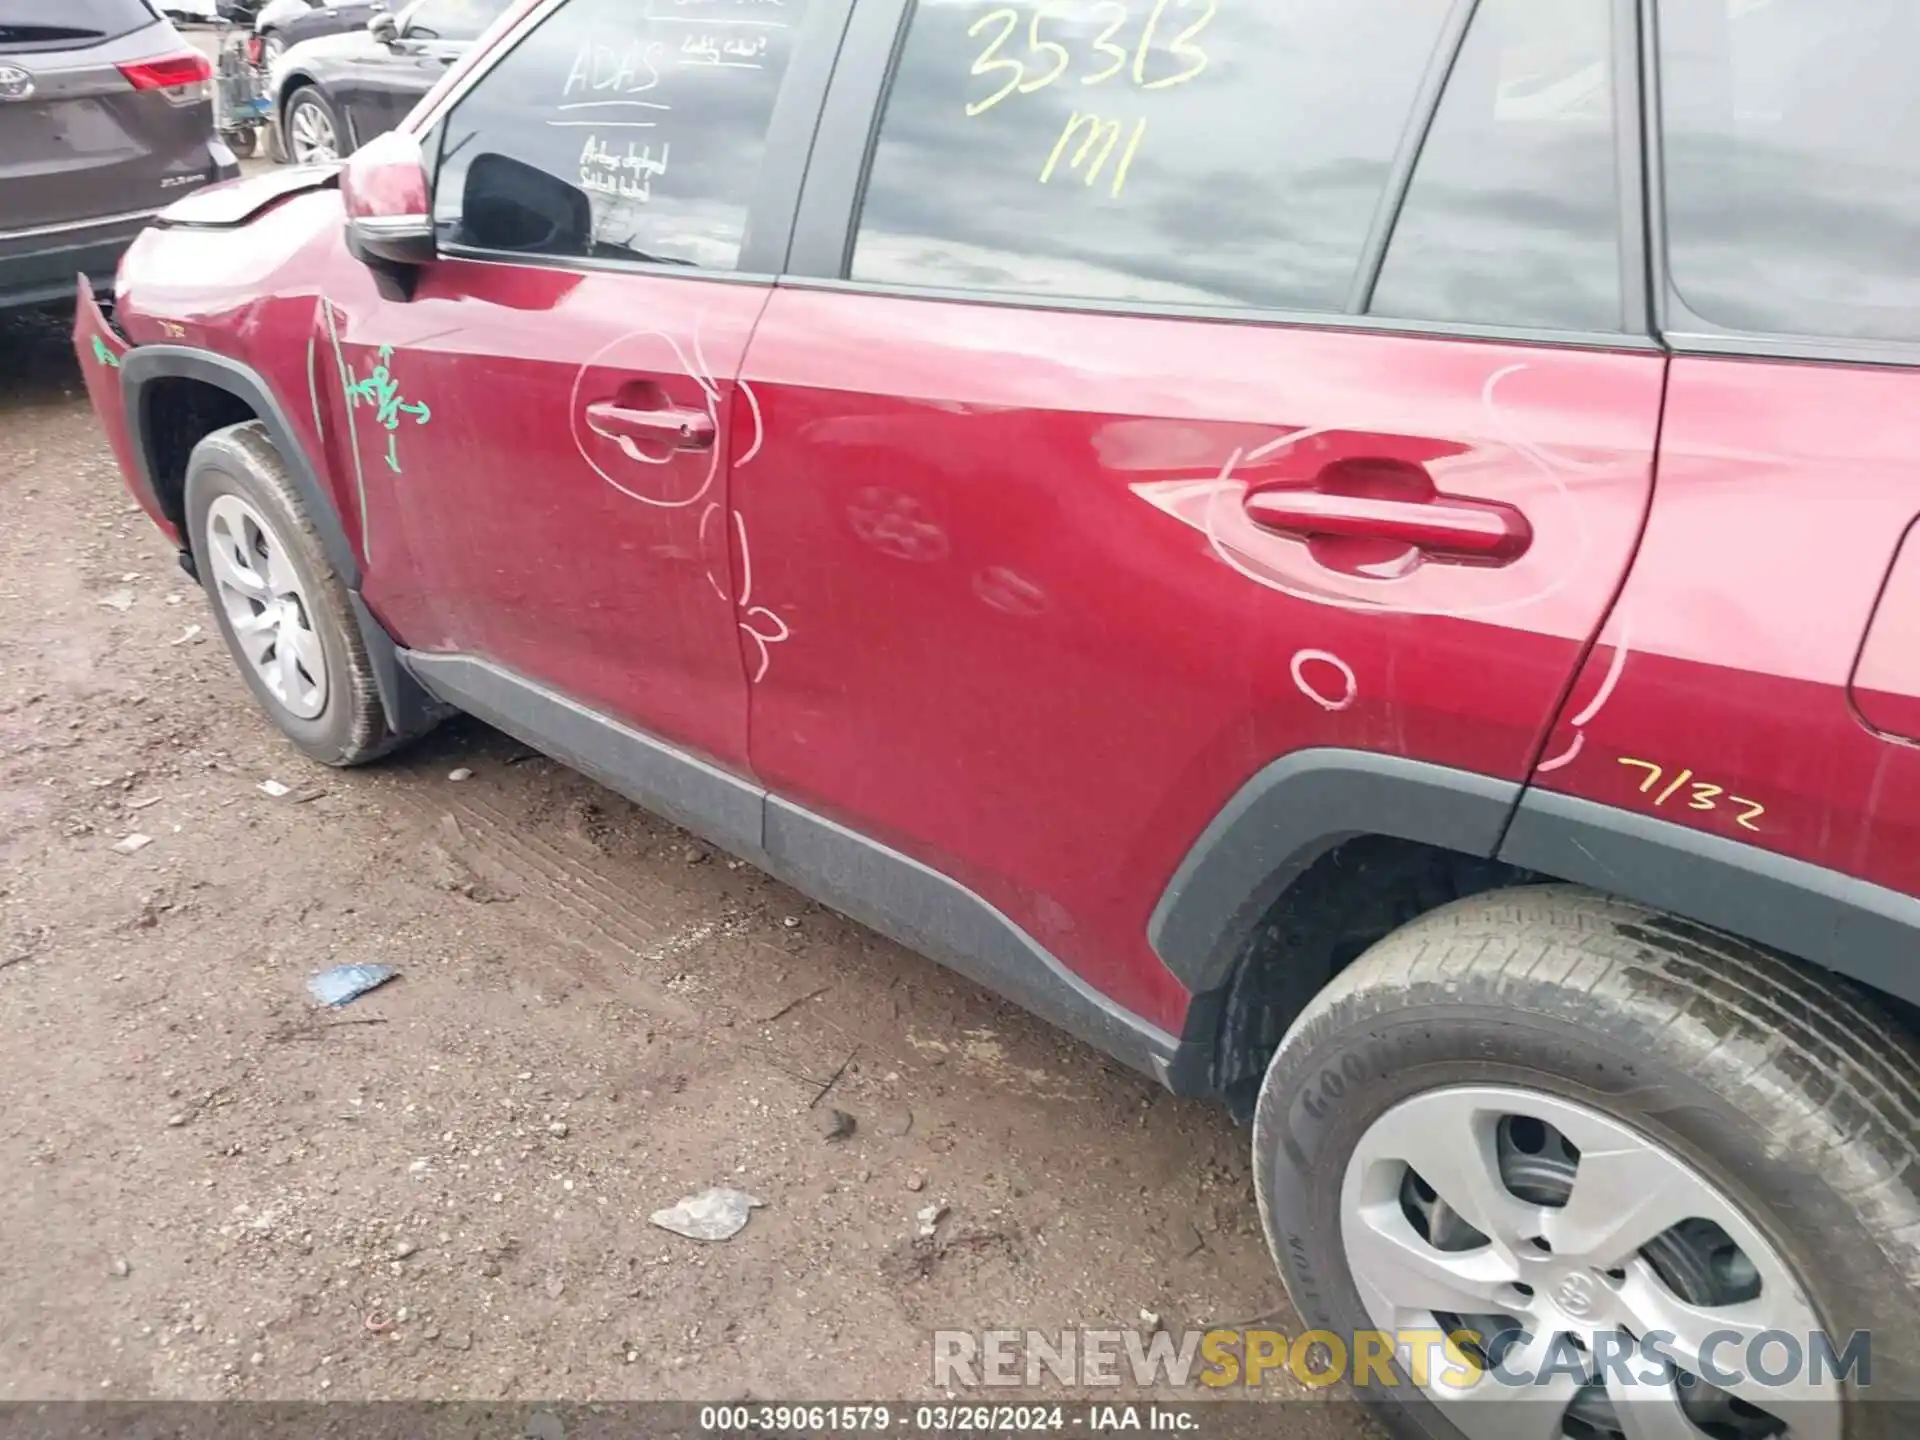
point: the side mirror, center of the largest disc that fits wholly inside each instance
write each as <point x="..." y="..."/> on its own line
<point x="384" y="28"/>
<point x="389" y="209"/>
<point x="510" y="205"/>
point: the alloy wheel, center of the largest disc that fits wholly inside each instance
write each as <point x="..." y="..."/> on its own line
<point x="1559" y="1237"/>
<point x="310" y="134"/>
<point x="266" y="606"/>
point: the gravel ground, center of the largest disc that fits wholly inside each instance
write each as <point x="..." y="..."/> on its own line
<point x="215" y="1191"/>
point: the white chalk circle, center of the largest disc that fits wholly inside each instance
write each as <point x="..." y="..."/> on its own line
<point x="1319" y="697"/>
<point x="631" y="482"/>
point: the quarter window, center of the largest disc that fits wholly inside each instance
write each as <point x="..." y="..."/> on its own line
<point x="1792" y="172"/>
<point x="1513" y="216"/>
<point x="1214" y="152"/>
<point x="619" y="131"/>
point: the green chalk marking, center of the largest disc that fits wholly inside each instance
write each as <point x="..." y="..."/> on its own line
<point x="382" y="391"/>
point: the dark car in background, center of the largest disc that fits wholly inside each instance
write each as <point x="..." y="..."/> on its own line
<point x="106" y="116"/>
<point x="282" y="24"/>
<point x="336" y="93"/>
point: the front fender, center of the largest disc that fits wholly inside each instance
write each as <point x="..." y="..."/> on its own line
<point x="409" y="709"/>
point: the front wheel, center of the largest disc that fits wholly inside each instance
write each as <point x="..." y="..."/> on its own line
<point x="1654" y="1182"/>
<point x="280" y="606"/>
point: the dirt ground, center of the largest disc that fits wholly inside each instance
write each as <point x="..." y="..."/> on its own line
<point x="214" y="1190"/>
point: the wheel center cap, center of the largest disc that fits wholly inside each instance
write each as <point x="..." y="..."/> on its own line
<point x="1578" y="1295"/>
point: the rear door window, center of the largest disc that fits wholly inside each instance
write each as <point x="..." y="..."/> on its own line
<point x="613" y="133"/>
<point x="29" y="25"/>
<point x="1789" y="139"/>
<point x="1513" y="216"/>
<point x="1211" y="152"/>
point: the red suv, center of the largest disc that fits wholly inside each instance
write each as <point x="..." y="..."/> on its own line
<point x="1355" y="554"/>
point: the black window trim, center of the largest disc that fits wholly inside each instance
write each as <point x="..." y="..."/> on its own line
<point x="772" y="212"/>
<point x="1372" y="262"/>
<point x="833" y="196"/>
<point x="1685" y="332"/>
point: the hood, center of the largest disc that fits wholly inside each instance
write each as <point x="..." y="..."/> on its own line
<point x="222" y="207"/>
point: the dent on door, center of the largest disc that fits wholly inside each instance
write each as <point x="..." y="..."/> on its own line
<point x="1059" y="584"/>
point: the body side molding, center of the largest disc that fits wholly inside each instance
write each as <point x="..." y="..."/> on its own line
<point x="687" y="790"/>
<point x="1852" y="927"/>
<point x="1289" y="815"/>
<point x="936" y="916"/>
<point x="854" y="874"/>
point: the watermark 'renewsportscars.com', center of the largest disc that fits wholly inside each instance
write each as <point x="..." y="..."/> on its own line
<point x="1219" y="1359"/>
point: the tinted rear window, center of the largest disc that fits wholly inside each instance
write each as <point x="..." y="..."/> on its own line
<point x="52" y="24"/>
<point x="1513" y="217"/>
<point x="1793" y="175"/>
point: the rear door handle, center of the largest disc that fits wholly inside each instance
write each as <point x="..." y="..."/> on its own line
<point x="1443" y="528"/>
<point x="671" y="425"/>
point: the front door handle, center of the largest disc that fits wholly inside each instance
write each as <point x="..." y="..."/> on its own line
<point x="1443" y="528"/>
<point x="682" y="429"/>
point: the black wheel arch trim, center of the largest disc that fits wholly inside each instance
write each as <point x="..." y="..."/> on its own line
<point x="145" y="364"/>
<point x="859" y="876"/>
<point x="409" y="708"/>
<point x="1852" y="927"/>
<point x="1286" y="817"/>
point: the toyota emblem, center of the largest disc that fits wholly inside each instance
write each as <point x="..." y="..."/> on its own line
<point x="1578" y="1296"/>
<point x="15" y="83"/>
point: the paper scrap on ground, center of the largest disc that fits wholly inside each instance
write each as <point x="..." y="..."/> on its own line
<point x="716" y="1214"/>
<point x="348" y="982"/>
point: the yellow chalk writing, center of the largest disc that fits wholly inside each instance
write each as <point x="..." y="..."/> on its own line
<point x="991" y="60"/>
<point x="1090" y="144"/>
<point x="1183" y="46"/>
<point x="1103" y="134"/>
<point x="1702" y="796"/>
<point x="1036" y="46"/>
<point x="1103" y="43"/>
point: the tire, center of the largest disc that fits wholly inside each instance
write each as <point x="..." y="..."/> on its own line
<point x="334" y="716"/>
<point x="244" y="143"/>
<point x="309" y="108"/>
<point x="1788" y="1094"/>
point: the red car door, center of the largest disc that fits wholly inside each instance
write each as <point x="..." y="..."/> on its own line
<point x="1758" y="683"/>
<point x="543" y="425"/>
<point x="1120" y="442"/>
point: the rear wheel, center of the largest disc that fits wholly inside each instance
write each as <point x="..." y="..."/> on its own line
<point x="314" y="136"/>
<point x="281" y="608"/>
<point x="1643" y="1164"/>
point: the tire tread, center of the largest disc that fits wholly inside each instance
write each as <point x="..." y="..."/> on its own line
<point x="1836" y="1076"/>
